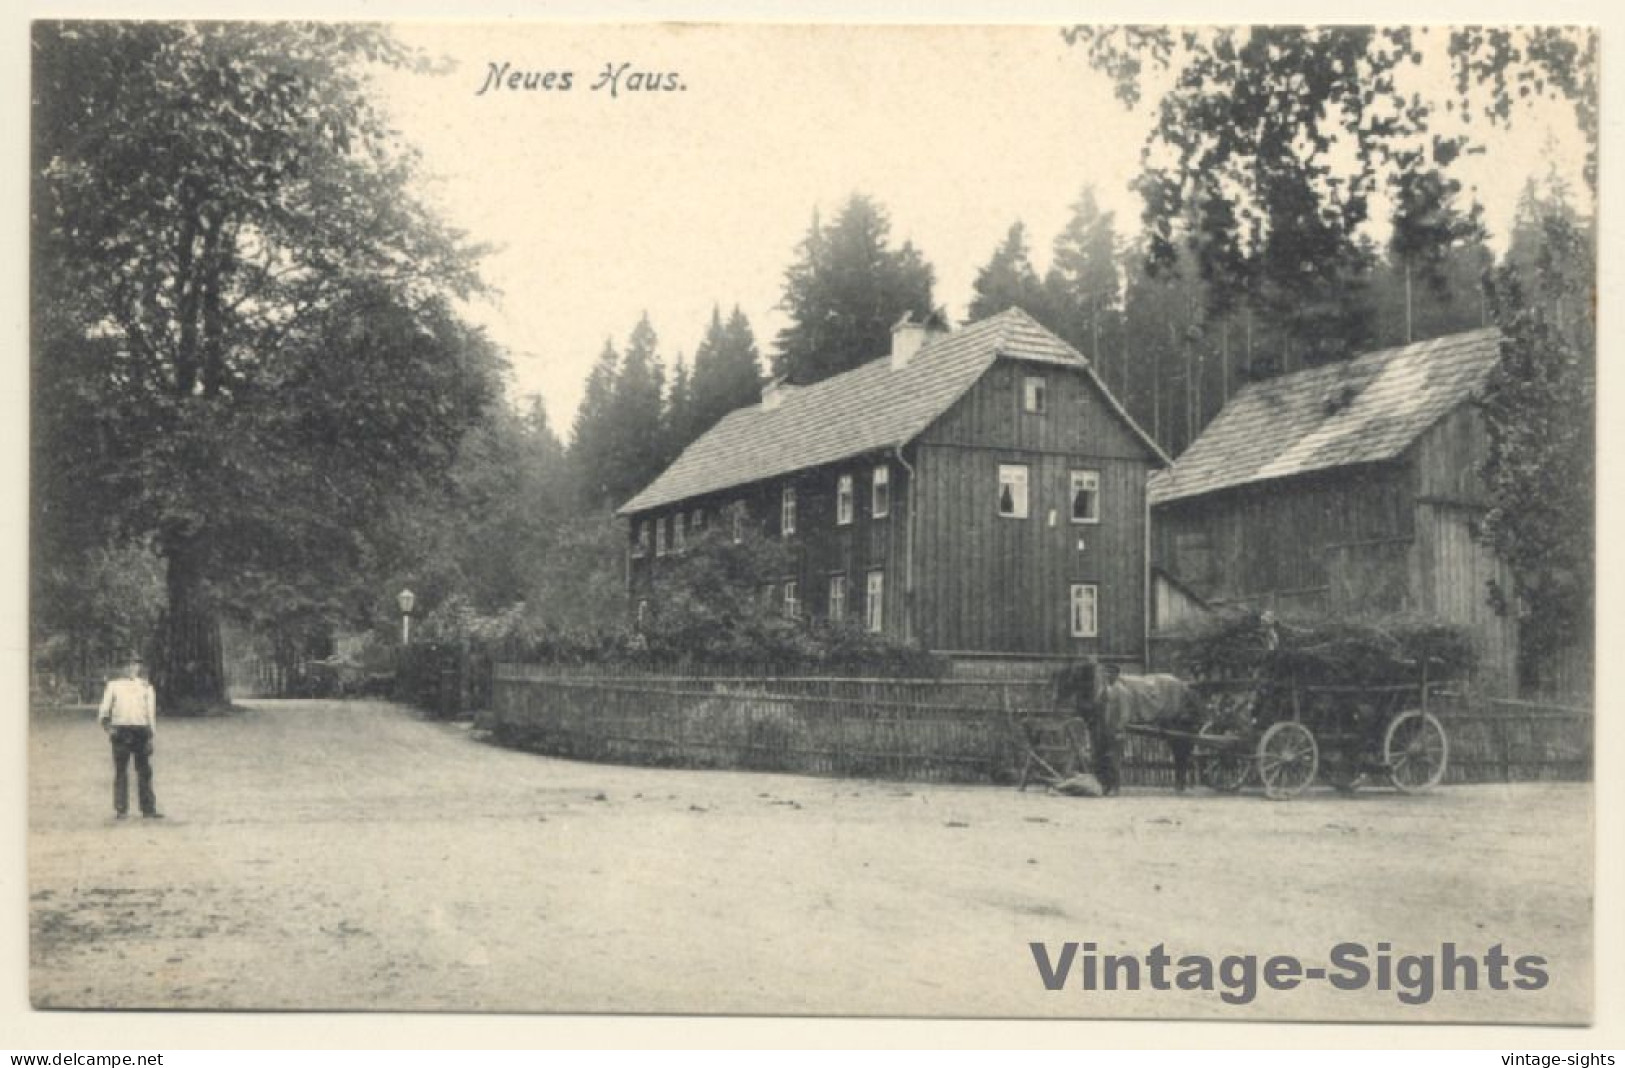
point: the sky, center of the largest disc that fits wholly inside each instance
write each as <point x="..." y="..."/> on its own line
<point x="600" y="206"/>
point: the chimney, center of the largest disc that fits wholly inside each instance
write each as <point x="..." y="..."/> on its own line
<point x="773" y="393"/>
<point x="908" y="337"/>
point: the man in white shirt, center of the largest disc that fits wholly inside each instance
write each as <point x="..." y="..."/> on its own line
<point x="129" y="714"/>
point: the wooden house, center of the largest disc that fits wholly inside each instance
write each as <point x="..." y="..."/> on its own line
<point x="978" y="492"/>
<point x="1346" y="490"/>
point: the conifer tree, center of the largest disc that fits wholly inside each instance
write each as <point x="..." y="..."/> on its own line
<point x="1009" y="281"/>
<point x="845" y="291"/>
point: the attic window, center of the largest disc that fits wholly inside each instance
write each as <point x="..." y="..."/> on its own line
<point x="1338" y="399"/>
<point x="1032" y="394"/>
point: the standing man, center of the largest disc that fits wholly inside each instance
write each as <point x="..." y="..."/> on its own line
<point x="129" y="714"/>
<point x="1108" y="737"/>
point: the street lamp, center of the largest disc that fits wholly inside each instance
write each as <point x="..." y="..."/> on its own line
<point x="406" y="600"/>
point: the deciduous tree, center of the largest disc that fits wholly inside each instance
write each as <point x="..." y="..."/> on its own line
<point x="240" y="310"/>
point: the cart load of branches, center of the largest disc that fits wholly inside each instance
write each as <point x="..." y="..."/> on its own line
<point x="1247" y="643"/>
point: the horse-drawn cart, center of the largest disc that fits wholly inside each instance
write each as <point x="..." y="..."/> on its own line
<point x="1284" y="735"/>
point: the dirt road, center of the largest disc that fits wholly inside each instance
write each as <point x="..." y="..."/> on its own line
<point x="349" y="856"/>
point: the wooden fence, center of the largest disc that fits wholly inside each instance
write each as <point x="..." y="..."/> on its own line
<point x="1516" y="741"/>
<point x="943" y="730"/>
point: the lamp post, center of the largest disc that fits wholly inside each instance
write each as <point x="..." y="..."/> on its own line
<point x="406" y="600"/>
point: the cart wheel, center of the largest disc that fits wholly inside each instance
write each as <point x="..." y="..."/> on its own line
<point x="1221" y="769"/>
<point x="1287" y="760"/>
<point x="1416" y="751"/>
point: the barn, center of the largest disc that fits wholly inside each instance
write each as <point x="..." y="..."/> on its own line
<point x="1349" y="490"/>
<point x="976" y="491"/>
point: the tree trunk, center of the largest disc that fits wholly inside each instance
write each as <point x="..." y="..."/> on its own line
<point x="1410" y="334"/>
<point x="188" y="669"/>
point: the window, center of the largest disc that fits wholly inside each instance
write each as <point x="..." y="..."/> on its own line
<point x="696" y="520"/>
<point x="792" y="600"/>
<point x="880" y="493"/>
<point x="677" y="533"/>
<point x="1032" y="394"/>
<point x="837" y="597"/>
<point x="1013" y="491"/>
<point x="1086" y="496"/>
<point x="767" y="596"/>
<point x="843" y="500"/>
<point x="787" y="511"/>
<point x="640" y="547"/>
<point x="1085" y="610"/>
<point x="662" y="532"/>
<point x="874" y="601"/>
<point x="739" y="521"/>
<point x="643" y="614"/>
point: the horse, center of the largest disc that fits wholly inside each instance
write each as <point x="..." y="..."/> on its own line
<point x="1159" y="700"/>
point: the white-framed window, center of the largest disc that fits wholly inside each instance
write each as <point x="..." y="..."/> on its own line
<point x="874" y="601"/>
<point x="787" y="511"/>
<point x="739" y="521"/>
<point x="792" y="600"/>
<point x="662" y="535"/>
<point x="843" y="500"/>
<point x="837" y="597"/>
<point x="640" y="545"/>
<point x="1085" y="610"/>
<point x="1085" y="496"/>
<point x="696" y="520"/>
<point x="1013" y="491"/>
<point x="1033" y="394"/>
<point x="880" y="492"/>
<point x="678" y="534"/>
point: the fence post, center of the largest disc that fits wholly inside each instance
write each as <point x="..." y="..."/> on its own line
<point x="996" y="736"/>
<point x="1504" y="736"/>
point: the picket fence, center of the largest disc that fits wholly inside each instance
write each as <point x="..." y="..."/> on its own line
<point x="940" y="730"/>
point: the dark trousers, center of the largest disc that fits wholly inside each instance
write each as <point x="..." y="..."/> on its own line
<point x="1182" y="763"/>
<point x="133" y="742"/>
<point x="1108" y="760"/>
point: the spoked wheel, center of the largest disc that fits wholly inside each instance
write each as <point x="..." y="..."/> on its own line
<point x="1287" y="760"/>
<point x="1416" y="751"/>
<point x="1221" y="769"/>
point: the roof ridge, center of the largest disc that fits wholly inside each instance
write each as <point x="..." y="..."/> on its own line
<point x="874" y="405"/>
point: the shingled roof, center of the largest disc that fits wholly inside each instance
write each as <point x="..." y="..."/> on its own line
<point x="1366" y="410"/>
<point x="871" y="407"/>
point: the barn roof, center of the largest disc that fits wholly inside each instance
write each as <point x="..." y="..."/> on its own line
<point x="1365" y="410"/>
<point x="871" y="407"/>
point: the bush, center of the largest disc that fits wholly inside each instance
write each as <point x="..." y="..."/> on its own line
<point x="1243" y="643"/>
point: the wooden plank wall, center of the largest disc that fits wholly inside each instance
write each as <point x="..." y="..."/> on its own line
<point x="1273" y="539"/>
<point x="989" y="583"/>
<point x="1452" y="571"/>
<point x="818" y="548"/>
<point x="1445" y="460"/>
